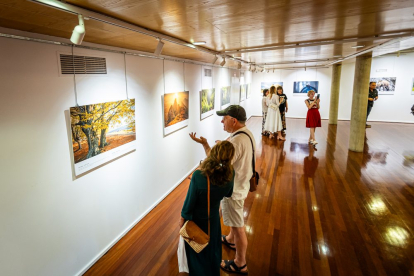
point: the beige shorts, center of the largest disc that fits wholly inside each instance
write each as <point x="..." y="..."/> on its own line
<point x="232" y="211"/>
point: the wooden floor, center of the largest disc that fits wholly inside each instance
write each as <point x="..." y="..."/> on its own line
<point x="323" y="211"/>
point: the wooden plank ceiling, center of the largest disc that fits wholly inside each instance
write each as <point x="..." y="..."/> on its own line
<point x="227" y="25"/>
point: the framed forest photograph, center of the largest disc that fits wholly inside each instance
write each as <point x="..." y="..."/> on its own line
<point x="225" y="93"/>
<point x="101" y="132"/>
<point x="175" y="111"/>
<point x="207" y="98"/>
<point x="243" y="92"/>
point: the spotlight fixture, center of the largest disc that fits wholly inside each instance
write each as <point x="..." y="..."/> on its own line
<point x="78" y="32"/>
<point x="250" y="67"/>
<point x="239" y="66"/>
<point x="262" y="69"/>
<point x="215" y="59"/>
<point x="158" y="50"/>
<point x="199" y="43"/>
<point x="223" y="62"/>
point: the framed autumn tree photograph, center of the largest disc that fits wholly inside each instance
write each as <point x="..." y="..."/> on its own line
<point x="101" y="132"/>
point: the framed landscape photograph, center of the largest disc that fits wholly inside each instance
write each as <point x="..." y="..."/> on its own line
<point x="248" y="91"/>
<point x="302" y="87"/>
<point x="207" y="97"/>
<point x="267" y="85"/>
<point x="225" y="93"/>
<point x="101" y="132"/>
<point x="243" y="92"/>
<point x="412" y="87"/>
<point x="385" y="85"/>
<point x="175" y="111"/>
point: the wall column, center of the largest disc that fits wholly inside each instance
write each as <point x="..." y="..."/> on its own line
<point x="336" y="80"/>
<point x="360" y="102"/>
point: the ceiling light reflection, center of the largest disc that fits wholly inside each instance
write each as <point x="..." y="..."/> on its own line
<point x="377" y="207"/>
<point x="397" y="236"/>
<point x="324" y="249"/>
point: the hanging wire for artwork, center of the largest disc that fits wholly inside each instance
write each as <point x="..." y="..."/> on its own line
<point x="184" y="75"/>
<point x="74" y="77"/>
<point x="163" y="73"/>
<point x="126" y="79"/>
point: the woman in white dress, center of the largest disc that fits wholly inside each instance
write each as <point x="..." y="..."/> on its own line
<point x="273" y="120"/>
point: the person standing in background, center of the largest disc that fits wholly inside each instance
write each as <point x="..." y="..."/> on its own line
<point x="372" y="96"/>
<point x="313" y="118"/>
<point x="264" y="109"/>
<point x="283" y="107"/>
<point x="273" y="122"/>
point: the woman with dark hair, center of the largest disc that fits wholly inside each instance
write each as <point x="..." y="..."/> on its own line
<point x="217" y="166"/>
<point x="283" y="107"/>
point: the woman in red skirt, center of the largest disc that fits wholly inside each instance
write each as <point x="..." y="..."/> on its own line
<point x="313" y="118"/>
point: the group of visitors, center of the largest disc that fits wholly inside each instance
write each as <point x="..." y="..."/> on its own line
<point x="274" y="108"/>
<point x="229" y="167"/>
<point x="274" y="104"/>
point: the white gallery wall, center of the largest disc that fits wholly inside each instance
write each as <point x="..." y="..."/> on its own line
<point x="296" y="102"/>
<point x="53" y="223"/>
<point x="388" y="108"/>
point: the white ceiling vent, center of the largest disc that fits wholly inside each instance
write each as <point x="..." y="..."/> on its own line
<point x="207" y="72"/>
<point x="82" y="65"/>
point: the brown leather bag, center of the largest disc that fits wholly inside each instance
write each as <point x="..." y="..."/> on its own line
<point x="192" y="234"/>
<point x="254" y="181"/>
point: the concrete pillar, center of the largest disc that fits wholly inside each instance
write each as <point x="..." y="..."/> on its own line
<point x="333" y="107"/>
<point x="360" y="102"/>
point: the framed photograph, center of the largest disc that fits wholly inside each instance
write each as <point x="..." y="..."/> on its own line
<point x="207" y="97"/>
<point x="243" y="92"/>
<point x="225" y="93"/>
<point x="412" y="87"/>
<point x="248" y="91"/>
<point x="101" y="132"/>
<point x="175" y="111"/>
<point x="267" y="85"/>
<point x="385" y="85"/>
<point x="302" y="87"/>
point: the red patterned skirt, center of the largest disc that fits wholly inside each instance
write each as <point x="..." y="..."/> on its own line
<point x="313" y="118"/>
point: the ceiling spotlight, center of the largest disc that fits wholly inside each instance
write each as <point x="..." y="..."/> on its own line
<point x="215" y="59"/>
<point x="78" y="32"/>
<point x="223" y="62"/>
<point x="239" y="66"/>
<point x="357" y="46"/>
<point x="158" y="50"/>
<point x="250" y="67"/>
<point x="262" y="69"/>
<point x="199" y="43"/>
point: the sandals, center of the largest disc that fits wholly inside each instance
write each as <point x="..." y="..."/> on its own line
<point x="226" y="243"/>
<point x="231" y="267"/>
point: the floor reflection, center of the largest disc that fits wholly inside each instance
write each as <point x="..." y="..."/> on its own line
<point x="408" y="159"/>
<point x="310" y="163"/>
<point x="397" y="236"/>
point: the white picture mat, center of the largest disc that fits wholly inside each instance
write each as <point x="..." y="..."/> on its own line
<point x="207" y="114"/>
<point x="175" y="127"/>
<point x="103" y="158"/>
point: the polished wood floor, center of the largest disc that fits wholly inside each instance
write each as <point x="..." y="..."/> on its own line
<point x="318" y="211"/>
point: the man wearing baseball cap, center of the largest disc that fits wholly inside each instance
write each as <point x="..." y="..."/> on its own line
<point x="234" y="119"/>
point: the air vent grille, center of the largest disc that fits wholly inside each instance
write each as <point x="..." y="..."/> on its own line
<point x="207" y="72"/>
<point x="82" y="65"/>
